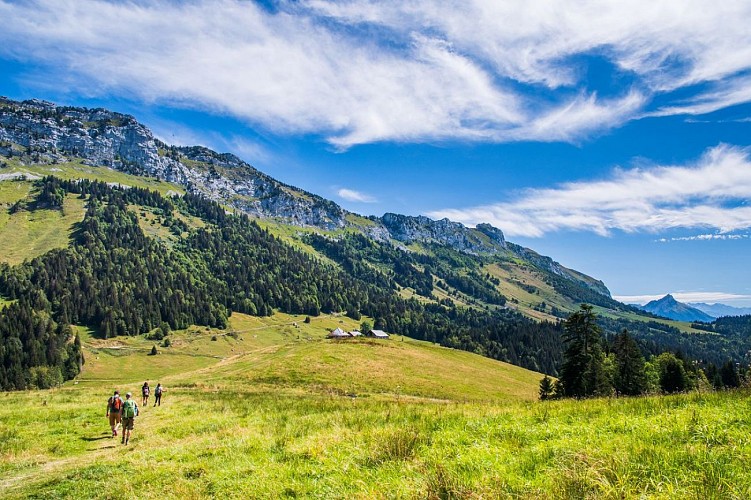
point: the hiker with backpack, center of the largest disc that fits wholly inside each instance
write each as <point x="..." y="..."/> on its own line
<point x="158" y="394"/>
<point x="145" y="393"/>
<point x="130" y="412"/>
<point x="114" y="411"/>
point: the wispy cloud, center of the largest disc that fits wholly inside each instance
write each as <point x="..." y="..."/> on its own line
<point x="709" y="194"/>
<point x="356" y="196"/>
<point x="362" y="71"/>
<point x="706" y="237"/>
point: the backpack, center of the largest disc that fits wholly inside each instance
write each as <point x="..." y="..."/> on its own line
<point x="130" y="409"/>
<point x="158" y="391"/>
<point x="116" y="404"/>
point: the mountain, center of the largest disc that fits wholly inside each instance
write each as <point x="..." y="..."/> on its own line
<point x="104" y="226"/>
<point x="720" y="310"/>
<point x="41" y="133"/>
<point x="668" y="307"/>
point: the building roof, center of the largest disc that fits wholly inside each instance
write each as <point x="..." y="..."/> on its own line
<point x="338" y="333"/>
<point x="379" y="334"/>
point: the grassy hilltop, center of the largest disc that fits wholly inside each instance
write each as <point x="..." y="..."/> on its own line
<point x="270" y="409"/>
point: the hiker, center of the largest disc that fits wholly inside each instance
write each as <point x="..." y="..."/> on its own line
<point x="145" y="393"/>
<point x="130" y="412"/>
<point x="114" y="411"/>
<point x="158" y="394"/>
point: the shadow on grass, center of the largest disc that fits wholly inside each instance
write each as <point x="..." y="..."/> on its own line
<point x="105" y="436"/>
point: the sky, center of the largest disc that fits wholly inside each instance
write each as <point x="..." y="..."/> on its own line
<point x="614" y="137"/>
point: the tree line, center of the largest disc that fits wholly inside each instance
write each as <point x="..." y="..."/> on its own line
<point x="592" y="366"/>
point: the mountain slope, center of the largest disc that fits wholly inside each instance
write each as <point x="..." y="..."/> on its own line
<point x="37" y="133"/>
<point x="668" y="307"/>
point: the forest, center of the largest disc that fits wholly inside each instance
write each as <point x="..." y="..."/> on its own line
<point x="118" y="281"/>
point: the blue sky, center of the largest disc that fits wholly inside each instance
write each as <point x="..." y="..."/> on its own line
<point x="614" y="138"/>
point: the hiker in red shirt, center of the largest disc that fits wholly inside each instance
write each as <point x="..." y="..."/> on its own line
<point x="114" y="411"/>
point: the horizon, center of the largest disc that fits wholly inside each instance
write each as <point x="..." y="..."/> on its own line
<point x="618" y="146"/>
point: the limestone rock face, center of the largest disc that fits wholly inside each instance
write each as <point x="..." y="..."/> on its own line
<point x="105" y="138"/>
<point x="421" y="229"/>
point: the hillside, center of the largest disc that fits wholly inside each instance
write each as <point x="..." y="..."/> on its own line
<point x="40" y="138"/>
<point x="247" y="416"/>
<point x="106" y="227"/>
<point x="283" y="351"/>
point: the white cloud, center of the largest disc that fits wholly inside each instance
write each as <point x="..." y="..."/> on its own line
<point x="710" y="194"/>
<point x="362" y="71"/>
<point x="686" y="297"/>
<point x="706" y="237"/>
<point x="356" y="196"/>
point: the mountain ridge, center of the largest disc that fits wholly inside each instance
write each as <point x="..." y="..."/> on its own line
<point x="106" y="138"/>
<point x="718" y="310"/>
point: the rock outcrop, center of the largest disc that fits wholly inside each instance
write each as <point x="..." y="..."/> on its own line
<point x="485" y="239"/>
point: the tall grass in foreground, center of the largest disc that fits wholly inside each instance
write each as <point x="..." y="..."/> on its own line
<point x="287" y="443"/>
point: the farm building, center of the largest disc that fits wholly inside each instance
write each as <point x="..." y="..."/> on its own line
<point x="339" y="334"/>
<point x="379" y="334"/>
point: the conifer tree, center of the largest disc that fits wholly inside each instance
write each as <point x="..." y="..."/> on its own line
<point x="546" y="388"/>
<point x="729" y="375"/>
<point x="583" y="372"/>
<point x="630" y="377"/>
<point x="673" y="376"/>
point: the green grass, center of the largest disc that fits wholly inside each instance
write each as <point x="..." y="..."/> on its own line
<point x="78" y="170"/>
<point x="275" y="411"/>
<point x="263" y="443"/>
<point x="28" y="234"/>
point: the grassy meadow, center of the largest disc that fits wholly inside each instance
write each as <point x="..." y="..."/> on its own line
<point x="270" y="409"/>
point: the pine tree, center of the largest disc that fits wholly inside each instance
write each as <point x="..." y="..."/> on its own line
<point x="583" y="373"/>
<point x="729" y="375"/>
<point x="546" y="388"/>
<point x="630" y="377"/>
<point x="672" y="373"/>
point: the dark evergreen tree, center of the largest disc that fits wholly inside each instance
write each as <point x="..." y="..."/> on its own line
<point x="546" y="388"/>
<point x="673" y="376"/>
<point x="729" y="375"/>
<point x="583" y="373"/>
<point x="713" y="375"/>
<point x="629" y="378"/>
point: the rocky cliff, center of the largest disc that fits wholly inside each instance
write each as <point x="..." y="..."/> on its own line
<point x="483" y="239"/>
<point x="104" y="138"/>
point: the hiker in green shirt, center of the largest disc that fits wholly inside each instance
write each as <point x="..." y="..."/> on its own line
<point x="130" y="412"/>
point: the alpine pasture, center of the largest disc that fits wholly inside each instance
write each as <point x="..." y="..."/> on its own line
<point x="269" y="408"/>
